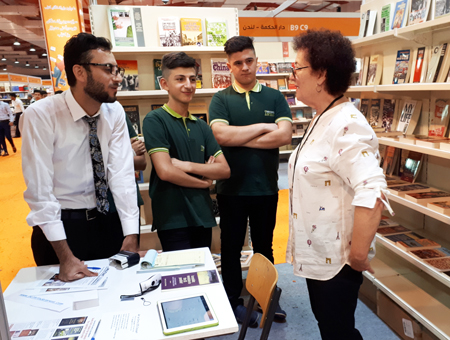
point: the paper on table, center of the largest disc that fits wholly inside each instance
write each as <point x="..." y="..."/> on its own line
<point x="47" y="302"/>
<point x="52" y="284"/>
<point x="153" y="259"/>
<point x="122" y="326"/>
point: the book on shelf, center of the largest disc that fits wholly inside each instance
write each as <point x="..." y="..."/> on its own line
<point x="130" y="78"/>
<point x="385" y="18"/>
<point x="157" y="70"/>
<point x="390" y="159"/>
<point x="202" y="116"/>
<point x="400" y="14"/>
<point x="157" y="261"/>
<point x="216" y="31"/>
<point x="388" y="114"/>
<point x="435" y="253"/>
<point x="290" y="97"/>
<point x="220" y="73"/>
<point x="364" y="108"/>
<point x="360" y="74"/>
<point x="364" y="20"/>
<point x="434" y="67"/>
<point x="402" y="68"/>
<point x="193" y="279"/>
<point x="375" y="69"/>
<point x="439" y="118"/>
<point x="199" y="77"/>
<point x="445" y="65"/>
<point x="282" y="68"/>
<point x="375" y="116"/>
<point x="365" y="69"/>
<point x="418" y="11"/>
<point x="273" y="68"/>
<point x="381" y="154"/>
<point x="409" y="116"/>
<point x="402" y="190"/>
<point x="427" y="197"/>
<point x="419" y="65"/>
<point x="396" y="182"/>
<point x="262" y="67"/>
<point x="393" y="230"/>
<point x="371" y="23"/>
<point x="440" y="8"/>
<point x="191" y="32"/>
<point x="387" y="222"/>
<point x="132" y="112"/>
<point x="281" y="83"/>
<point x="412" y="166"/>
<point x="169" y="31"/>
<point x="404" y="237"/>
<point x="156" y="106"/>
<point x="440" y="207"/>
<point x="273" y="84"/>
<point x="442" y="264"/>
<point x="121" y="27"/>
<point x="417" y="244"/>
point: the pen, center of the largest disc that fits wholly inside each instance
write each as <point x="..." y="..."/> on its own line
<point x="94" y="268"/>
<point x="96" y="329"/>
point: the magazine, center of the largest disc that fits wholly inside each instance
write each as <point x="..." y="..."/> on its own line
<point x="442" y="264"/>
<point x="375" y="69"/>
<point x="157" y="70"/>
<point x="220" y="73"/>
<point x="121" y="27"/>
<point x="400" y="14"/>
<point x="441" y="7"/>
<point x="375" y="119"/>
<point x="388" y="114"/>
<point x="392" y="230"/>
<point x="439" y="119"/>
<point x="419" y="65"/>
<point x="189" y="279"/>
<point x="431" y="253"/>
<point x="409" y="116"/>
<point x="216" y="32"/>
<point x="199" y="80"/>
<point x="402" y="69"/>
<point x="273" y="68"/>
<point x="418" y="12"/>
<point x="132" y="112"/>
<point x="431" y="196"/>
<point x="440" y="207"/>
<point x="191" y="32"/>
<point x="169" y="31"/>
<point x="364" y="108"/>
<point x="390" y="159"/>
<point x="404" y="189"/>
<point x="412" y="166"/>
<point x="385" y="18"/>
<point x="130" y="78"/>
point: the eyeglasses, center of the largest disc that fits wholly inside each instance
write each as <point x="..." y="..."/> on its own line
<point x="113" y="69"/>
<point x="294" y="70"/>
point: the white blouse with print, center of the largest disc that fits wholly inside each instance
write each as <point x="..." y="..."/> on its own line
<point x="336" y="170"/>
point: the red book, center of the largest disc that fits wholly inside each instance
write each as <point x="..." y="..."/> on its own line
<point x="419" y="64"/>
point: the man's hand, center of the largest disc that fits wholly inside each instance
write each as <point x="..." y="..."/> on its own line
<point x="361" y="264"/>
<point x="138" y="146"/>
<point x="11" y="123"/>
<point x="130" y="243"/>
<point x="73" y="269"/>
<point x="181" y="165"/>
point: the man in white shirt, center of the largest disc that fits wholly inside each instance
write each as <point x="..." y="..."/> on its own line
<point x="75" y="146"/>
<point x="6" y="121"/>
<point x="18" y="110"/>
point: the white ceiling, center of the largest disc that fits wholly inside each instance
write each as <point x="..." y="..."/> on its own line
<point x="22" y="20"/>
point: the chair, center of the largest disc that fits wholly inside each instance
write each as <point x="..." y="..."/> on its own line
<point x="261" y="283"/>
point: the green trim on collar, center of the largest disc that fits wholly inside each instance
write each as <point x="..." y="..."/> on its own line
<point x="256" y="88"/>
<point x="176" y="115"/>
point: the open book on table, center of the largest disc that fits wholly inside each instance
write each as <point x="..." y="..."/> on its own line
<point x="172" y="260"/>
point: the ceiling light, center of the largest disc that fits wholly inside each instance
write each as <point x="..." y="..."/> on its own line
<point x="32" y="49"/>
<point x="17" y="43"/>
<point x="36" y="66"/>
<point x="4" y="68"/>
<point x="44" y="54"/>
<point x="45" y="68"/>
<point x="27" y="64"/>
<point x="3" y="59"/>
<point x="16" y="62"/>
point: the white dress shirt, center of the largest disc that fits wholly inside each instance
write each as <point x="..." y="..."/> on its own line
<point x="18" y="105"/>
<point x="336" y="170"/>
<point x="5" y="112"/>
<point x="57" y="165"/>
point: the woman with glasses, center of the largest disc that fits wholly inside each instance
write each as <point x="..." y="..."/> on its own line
<point x="336" y="185"/>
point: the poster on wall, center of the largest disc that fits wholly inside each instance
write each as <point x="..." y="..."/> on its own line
<point x="121" y="27"/>
<point x="61" y="21"/>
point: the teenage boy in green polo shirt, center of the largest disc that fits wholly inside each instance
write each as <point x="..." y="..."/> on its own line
<point x="250" y="122"/>
<point x="185" y="157"/>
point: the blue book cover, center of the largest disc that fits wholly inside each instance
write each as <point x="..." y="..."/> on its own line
<point x="401" y="7"/>
<point x="402" y="67"/>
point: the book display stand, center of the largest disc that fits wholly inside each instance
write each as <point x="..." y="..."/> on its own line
<point x="418" y="288"/>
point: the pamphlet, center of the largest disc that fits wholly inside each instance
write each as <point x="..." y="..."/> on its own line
<point x="153" y="260"/>
<point x="189" y="279"/>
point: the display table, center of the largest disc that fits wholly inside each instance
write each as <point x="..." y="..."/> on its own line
<point x="127" y="282"/>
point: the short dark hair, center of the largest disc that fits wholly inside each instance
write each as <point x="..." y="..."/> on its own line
<point x="329" y="51"/>
<point x="238" y="44"/>
<point x="78" y="51"/>
<point x="43" y="92"/>
<point x="59" y="92"/>
<point x="173" y="60"/>
<point x="13" y="95"/>
<point x="37" y="91"/>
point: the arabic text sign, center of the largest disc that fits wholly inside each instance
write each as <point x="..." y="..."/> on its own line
<point x="290" y="27"/>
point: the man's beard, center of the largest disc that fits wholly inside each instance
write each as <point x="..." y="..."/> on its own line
<point x="96" y="91"/>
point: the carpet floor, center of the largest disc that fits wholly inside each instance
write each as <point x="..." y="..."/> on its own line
<point x="15" y="247"/>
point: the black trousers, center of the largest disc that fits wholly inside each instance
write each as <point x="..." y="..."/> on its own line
<point x="333" y="303"/>
<point x="16" y="123"/>
<point x="261" y="212"/>
<point x="185" y="238"/>
<point x="99" y="238"/>
<point x="5" y="132"/>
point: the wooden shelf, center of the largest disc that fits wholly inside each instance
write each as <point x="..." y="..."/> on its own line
<point x="164" y="50"/>
<point x="14" y="92"/>
<point x="277" y="75"/>
<point x="409" y="90"/>
<point x="160" y="93"/>
<point x="426" y="300"/>
<point x="413" y="147"/>
<point x="420" y="208"/>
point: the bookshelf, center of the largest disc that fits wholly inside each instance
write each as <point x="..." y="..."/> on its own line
<point x="418" y="288"/>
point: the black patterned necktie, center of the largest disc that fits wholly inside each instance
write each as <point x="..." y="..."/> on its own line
<point x="98" y="168"/>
